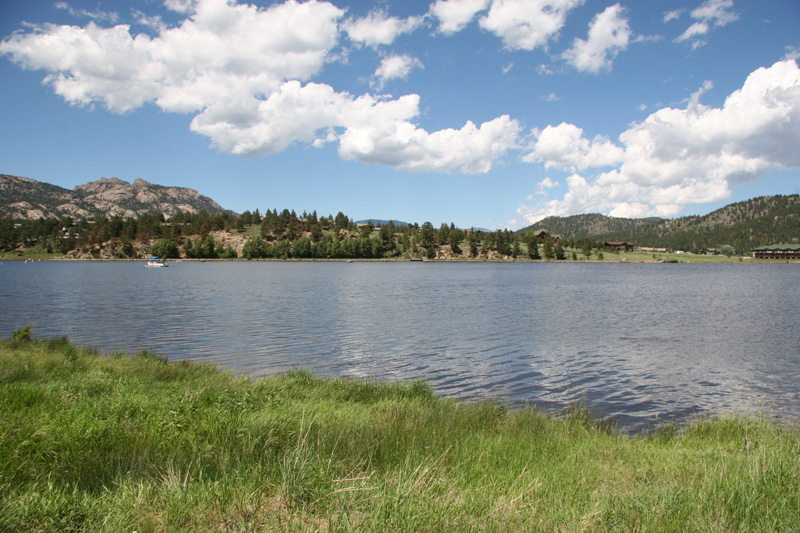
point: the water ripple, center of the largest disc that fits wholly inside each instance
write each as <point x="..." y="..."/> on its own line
<point x="636" y="342"/>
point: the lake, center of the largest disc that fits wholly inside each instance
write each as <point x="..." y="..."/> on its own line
<point x="637" y="342"/>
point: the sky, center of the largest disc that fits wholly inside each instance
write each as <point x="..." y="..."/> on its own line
<point x="481" y="113"/>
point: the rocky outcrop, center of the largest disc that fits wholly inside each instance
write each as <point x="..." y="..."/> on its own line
<point x="23" y="198"/>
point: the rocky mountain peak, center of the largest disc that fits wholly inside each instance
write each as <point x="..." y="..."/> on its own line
<point x="24" y="198"/>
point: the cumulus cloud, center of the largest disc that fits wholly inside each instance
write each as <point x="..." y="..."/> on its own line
<point x="395" y="66"/>
<point x="609" y="34"/>
<point x="471" y="149"/>
<point x="564" y="147"/>
<point x="711" y="13"/>
<point x="678" y="157"/>
<point x="221" y="52"/>
<point x="454" y="15"/>
<point x="527" y="24"/>
<point x="378" y="28"/>
<point x="244" y="73"/>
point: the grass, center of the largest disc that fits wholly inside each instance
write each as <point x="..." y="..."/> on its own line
<point x="34" y="254"/>
<point x="132" y="443"/>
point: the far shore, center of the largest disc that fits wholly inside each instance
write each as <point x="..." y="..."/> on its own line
<point x="610" y="257"/>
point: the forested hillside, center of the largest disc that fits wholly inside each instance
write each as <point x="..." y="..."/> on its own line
<point x="743" y="225"/>
<point x="252" y="236"/>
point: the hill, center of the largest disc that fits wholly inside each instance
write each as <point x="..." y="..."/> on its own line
<point x="744" y="225"/>
<point x="27" y="199"/>
<point x="589" y="225"/>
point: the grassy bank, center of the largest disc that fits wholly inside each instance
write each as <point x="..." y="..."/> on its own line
<point x="128" y="443"/>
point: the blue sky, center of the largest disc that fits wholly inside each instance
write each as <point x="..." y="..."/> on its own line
<point x="488" y="113"/>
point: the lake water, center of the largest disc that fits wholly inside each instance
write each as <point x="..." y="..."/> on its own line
<point x="637" y="342"/>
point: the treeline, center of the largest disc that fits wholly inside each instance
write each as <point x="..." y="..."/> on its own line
<point x="274" y="234"/>
<point x="89" y="235"/>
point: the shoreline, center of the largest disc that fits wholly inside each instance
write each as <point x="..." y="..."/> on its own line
<point x="131" y="442"/>
<point x="684" y="259"/>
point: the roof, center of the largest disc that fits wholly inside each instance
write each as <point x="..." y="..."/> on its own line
<point x="778" y="247"/>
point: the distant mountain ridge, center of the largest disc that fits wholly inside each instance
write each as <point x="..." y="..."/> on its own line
<point x="381" y="222"/>
<point x="27" y="199"/>
<point x="744" y="225"/>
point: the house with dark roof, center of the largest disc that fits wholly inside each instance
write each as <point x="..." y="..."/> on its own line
<point x="622" y="246"/>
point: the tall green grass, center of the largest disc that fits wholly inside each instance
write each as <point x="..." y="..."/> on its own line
<point x="132" y="443"/>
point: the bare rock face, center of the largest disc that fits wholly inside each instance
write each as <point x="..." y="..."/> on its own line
<point x="23" y="198"/>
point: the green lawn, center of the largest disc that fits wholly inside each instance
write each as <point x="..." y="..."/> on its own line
<point x="131" y="443"/>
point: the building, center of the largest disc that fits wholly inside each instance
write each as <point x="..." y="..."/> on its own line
<point x="777" y="251"/>
<point x="622" y="246"/>
<point x="543" y="235"/>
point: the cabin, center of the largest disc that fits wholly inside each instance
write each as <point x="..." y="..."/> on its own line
<point x="543" y="235"/>
<point x="777" y="251"/>
<point x="622" y="246"/>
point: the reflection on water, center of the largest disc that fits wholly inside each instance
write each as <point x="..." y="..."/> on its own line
<point x="636" y="342"/>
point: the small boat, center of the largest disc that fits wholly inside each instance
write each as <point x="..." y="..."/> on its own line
<point x="155" y="261"/>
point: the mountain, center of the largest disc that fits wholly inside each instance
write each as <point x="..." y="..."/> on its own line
<point x="380" y="222"/>
<point x="24" y="198"/>
<point x="589" y="225"/>
<point x="744" y="225"/>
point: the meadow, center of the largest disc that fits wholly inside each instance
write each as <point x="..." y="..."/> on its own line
<point x="134" y="443"/>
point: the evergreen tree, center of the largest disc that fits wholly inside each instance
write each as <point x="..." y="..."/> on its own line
<point x="548" y="249"/>
<point x="427" y="235"/>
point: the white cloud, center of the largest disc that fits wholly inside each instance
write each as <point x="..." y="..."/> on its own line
<point x="180" y="6"/>
<point x="678" y="157"/>
<point x="527" y="24"/>
<point x="377" y="28"/>
<point x="792" y="52"/>
<point x="395" y="66"/>
<point x="470" y="150"/>
<point x="609" y="34"/>
<point x="716" y="13"/>
<point x="96" y="15"/>
<point x="155" y="22"/>
<point x="542" y="187"/>
<point x="564" y="147"/>
<point x="244" y="73"/>
<point x="293" y="113"/>
<point x="220" y="52"/>
<point x="672" y="15"/>
<point x="454" y="15"/>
